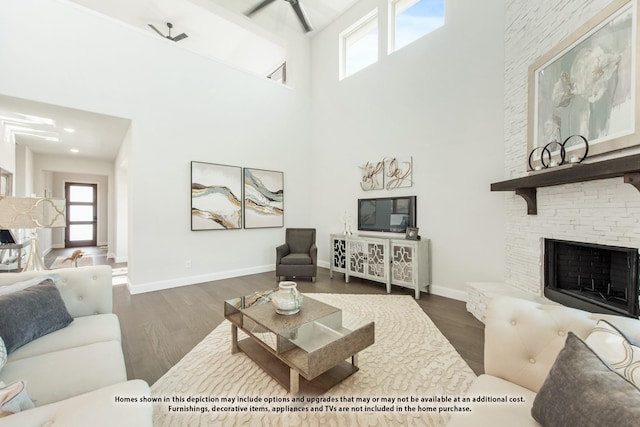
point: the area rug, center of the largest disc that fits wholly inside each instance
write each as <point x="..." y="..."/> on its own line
<point x="60" y="262"/>
<point x="410" y="360"/>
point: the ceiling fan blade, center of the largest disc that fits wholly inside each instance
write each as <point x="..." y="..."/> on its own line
<point x="156" y="30"/>
<point x="258" y="7"/>
<point x="179" y="37"/>
<point x="297" y="7"/>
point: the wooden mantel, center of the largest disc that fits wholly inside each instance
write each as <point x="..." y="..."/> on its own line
<point x="627" y="167"/>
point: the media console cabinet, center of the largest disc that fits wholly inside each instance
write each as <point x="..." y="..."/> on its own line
<point x="392" y="261"/>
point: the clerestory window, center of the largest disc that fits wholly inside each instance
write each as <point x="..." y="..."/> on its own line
<point x="359" y="45"/>
<point x="410" y="20"/>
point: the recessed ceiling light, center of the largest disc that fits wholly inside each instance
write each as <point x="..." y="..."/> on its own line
<point x="74" y="150"/>
<point x="69" y="130"/>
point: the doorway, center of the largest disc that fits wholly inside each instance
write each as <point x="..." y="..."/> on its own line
<point x="82" y="214"/>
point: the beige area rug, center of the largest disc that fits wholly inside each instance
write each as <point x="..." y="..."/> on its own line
<point x="60" y="262"/>
<point x="410" y="358"/>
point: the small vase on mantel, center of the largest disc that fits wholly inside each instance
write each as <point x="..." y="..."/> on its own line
<point x="287" y="300"/>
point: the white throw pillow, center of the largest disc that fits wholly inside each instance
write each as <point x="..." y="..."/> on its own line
<point x="14" y="398"/>
<point x="18" y="286"/>
<point x="3" y="354"/>
<point x="615" y="349"/>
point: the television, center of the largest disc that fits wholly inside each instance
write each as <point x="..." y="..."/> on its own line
<point x="6" y="237"/>
<point x="389" y="214"/>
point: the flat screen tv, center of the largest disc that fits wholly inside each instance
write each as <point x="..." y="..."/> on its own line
<point x="390" y="214"/>
<point x="6" y="237"/>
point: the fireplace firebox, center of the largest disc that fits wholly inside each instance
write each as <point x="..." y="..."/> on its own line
<point x="595" y="278"/>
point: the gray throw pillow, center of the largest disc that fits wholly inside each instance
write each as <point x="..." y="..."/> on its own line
<point x="31" y="313"/>
<point x="582" y="390"/>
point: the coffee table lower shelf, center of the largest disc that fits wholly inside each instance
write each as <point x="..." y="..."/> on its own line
<point x="289" y="378"/>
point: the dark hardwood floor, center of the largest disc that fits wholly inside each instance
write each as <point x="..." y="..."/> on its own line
<point x="159" y="328"/>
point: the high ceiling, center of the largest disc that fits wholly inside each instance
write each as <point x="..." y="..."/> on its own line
<point x="217" y="28"/>
<point x="51" y="129"/>
<point x="279" y="14"/>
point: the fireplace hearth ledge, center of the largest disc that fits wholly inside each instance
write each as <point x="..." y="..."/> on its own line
<point x="480" y="294"/>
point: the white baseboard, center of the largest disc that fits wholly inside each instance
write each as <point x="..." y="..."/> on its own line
<point x="113" y="256"/>
<point x="442" y="291"/>
<point x="192" y="280"/>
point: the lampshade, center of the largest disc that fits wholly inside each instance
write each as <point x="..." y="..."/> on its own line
<point x="31" y="212"/>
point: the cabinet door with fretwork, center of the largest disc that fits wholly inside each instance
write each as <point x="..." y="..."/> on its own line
<point x="338" y="254"/>
<point x="410" y="265"/>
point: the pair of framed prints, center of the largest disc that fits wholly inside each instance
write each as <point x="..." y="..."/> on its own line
<point x="231" y="197"/>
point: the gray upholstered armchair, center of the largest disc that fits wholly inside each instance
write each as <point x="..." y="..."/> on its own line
<point x="298" y="256"/>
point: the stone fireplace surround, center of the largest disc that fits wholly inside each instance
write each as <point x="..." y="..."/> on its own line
<point x="605" y="211"/>
<point x="602" y="212"/>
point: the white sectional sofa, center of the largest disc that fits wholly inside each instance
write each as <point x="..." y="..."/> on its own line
<point x="522" y="341"/>
<point x="73" y="375"/>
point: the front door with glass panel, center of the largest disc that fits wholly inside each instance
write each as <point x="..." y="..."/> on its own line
<point x="81" y="214"/>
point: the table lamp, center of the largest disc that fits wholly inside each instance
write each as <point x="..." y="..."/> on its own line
<point x="32" y="213"/>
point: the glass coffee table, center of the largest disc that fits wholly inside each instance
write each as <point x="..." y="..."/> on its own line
<point x="308" y="352"/>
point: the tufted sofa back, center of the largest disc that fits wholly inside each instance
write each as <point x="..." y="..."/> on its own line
<point x="85" y="290"/>
<point x="523" y="338"/>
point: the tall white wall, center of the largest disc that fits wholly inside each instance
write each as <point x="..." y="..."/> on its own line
<point x="439" y="100"/>
<point x="183" y="107"/>
<point x="119" y="227"/>
<point x="24" y="171"/>
<point x="604" y="211"/>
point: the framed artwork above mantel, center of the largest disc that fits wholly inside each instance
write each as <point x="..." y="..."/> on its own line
<point x="588" y="85"/>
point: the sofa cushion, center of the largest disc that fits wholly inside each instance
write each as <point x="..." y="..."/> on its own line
<point x="582" y="390"/>
<point x="85" y="290"/>
<point x="523" y="338"/>
<point x="82" y="331"/>
<point x="496" y="414"/>
<point x="24" y="284"/>
<point x="58" y="375"/>
<point x="96" y="409"/>
<point x="14" y="399"/>
<point x="31" y="313"/>
<point x="616" y="349"/>
<point x="296" y="259"/>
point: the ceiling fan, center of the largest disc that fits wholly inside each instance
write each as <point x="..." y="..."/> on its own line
<point x="297" y="8"/>
<point x="170" y="26"/>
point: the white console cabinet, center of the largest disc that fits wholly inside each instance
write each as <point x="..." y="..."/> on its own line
<point x="387" y="260"/>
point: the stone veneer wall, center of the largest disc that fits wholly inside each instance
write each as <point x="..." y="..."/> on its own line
<point x="604" y="211"/>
